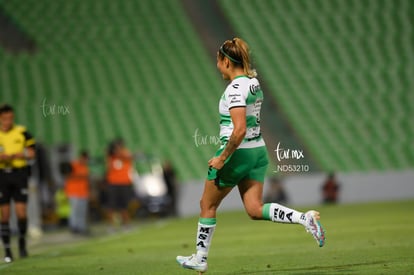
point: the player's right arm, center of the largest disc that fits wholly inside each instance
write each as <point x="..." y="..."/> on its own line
<point x="238" y="117"/>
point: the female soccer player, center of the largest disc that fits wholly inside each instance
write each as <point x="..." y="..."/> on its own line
<point x="242" y="159"/>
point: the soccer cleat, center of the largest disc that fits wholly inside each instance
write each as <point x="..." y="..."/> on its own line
<point x="314" y="227"/>
<point x="191" y="262"/>
<point x="8" y="258"/>
<point x="183" y="259"/>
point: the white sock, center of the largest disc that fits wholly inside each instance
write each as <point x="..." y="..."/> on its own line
<point x="279" y="213"/>
<point x="206" y="227"/>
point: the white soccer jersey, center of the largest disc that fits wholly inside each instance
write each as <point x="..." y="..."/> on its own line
<point x="242" y="92"/>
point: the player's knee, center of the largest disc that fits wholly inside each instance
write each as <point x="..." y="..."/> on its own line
<point x="207" y="206"/>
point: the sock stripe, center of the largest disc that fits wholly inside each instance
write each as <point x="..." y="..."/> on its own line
<point x="266" y="212"/>
<point x="207" y="221"/>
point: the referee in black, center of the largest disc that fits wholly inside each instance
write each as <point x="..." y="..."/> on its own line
<point x="16" y="148"/>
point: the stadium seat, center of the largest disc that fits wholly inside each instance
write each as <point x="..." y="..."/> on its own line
<point x="336" y="68"/>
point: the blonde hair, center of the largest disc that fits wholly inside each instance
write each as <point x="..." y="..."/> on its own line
<point x="237" y="51"/>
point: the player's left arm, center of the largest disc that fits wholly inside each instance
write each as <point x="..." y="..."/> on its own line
<point x="238" y="117"/>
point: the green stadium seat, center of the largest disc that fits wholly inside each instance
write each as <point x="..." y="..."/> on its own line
<point x="341" y="71"/>
<point x="336" y="69"/>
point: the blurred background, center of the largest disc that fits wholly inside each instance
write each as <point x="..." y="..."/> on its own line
<point x="338" y="78"/>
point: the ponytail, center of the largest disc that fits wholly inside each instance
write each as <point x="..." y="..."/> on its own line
<point x="237" y="51"/>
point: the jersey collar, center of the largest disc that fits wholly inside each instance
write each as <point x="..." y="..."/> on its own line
<point x="240" y="76"/>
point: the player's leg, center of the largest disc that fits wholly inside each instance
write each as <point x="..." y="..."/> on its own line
<point x="310" y="220"/>
<point x="20" y="197"/>
<point x="211" y="198"/>
<point x="21" y="213"/>
<point x="5" y="190"/>
<point x="251" y="192"/>
<point x="5" y="231"/>
<point x="210" y="201"/>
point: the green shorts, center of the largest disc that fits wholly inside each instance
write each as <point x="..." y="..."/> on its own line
<point x="243" y="164"/>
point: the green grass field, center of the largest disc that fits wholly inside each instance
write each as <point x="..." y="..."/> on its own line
<point x="376" y="238"/>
